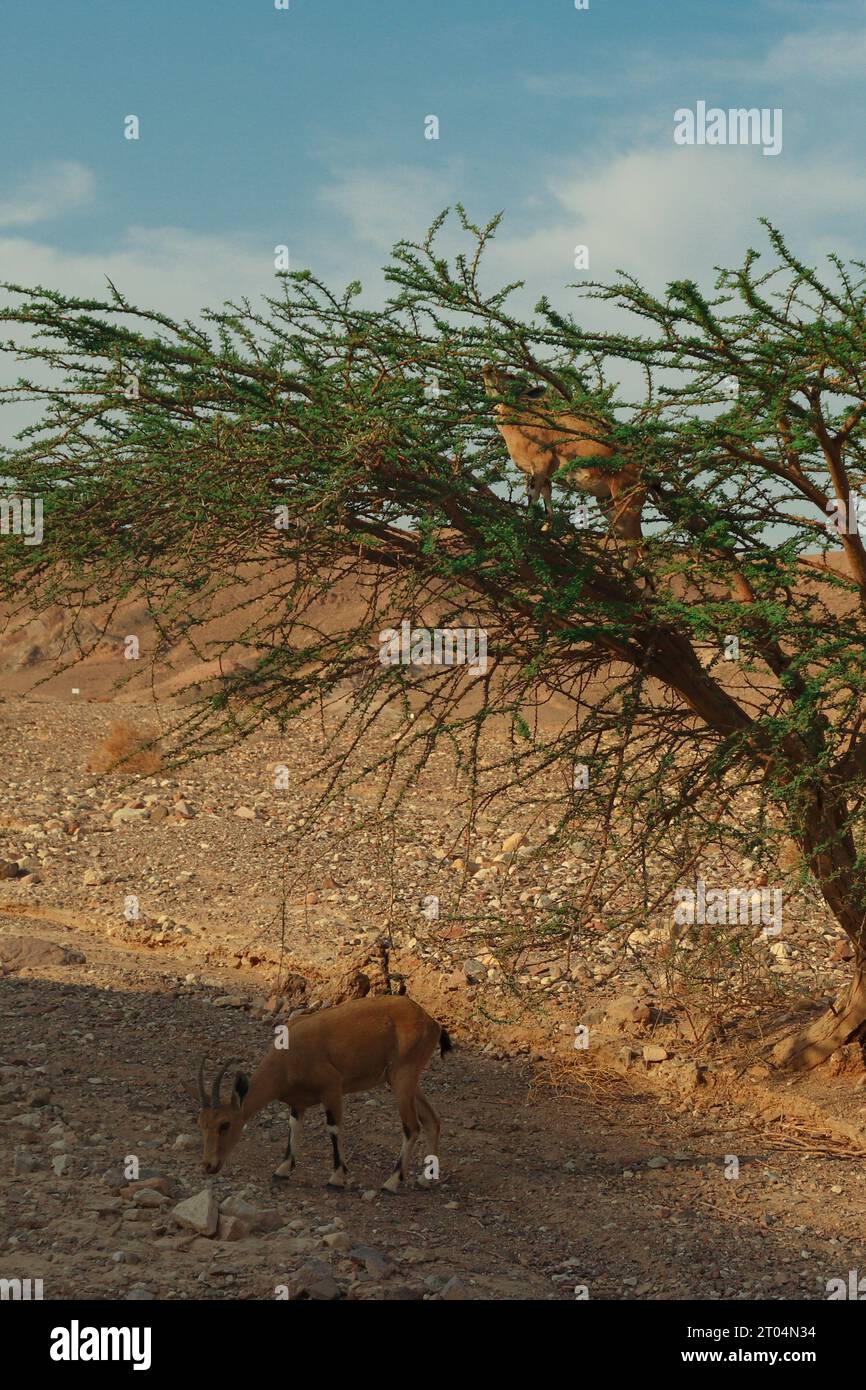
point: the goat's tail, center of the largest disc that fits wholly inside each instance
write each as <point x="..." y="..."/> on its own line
<point x="445" y="1043"/>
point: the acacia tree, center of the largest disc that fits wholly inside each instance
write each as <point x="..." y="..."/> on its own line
<point x="314" y="441"/>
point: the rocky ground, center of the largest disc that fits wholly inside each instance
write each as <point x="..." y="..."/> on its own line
<point x="146" y="921"/>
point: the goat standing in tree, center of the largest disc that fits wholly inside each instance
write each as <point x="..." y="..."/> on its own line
<point x="540" y="441"/>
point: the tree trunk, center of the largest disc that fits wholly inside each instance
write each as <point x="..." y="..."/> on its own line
<point x="830" y="851"/>
<point x="845" y="1021"/>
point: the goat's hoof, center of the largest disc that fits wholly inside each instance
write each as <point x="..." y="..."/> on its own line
<point x="337" y="1180"/>
<point x="391" y="1186"/>
<point x="283" y="1173"/>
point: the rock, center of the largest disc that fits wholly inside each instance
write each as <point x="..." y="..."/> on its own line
<point x="183" y="809"/>
<point x="759" y="1071"/>
<point x="686" y="1076"/>
<point x="697" y="1027"/>
<point x="150" y="1200"/>
<point x="8" y="869"/>
<point x="621" y="1013"/>
<point x="231" y="1228"/>
<point x="30" y="1119"/>
<point x="659" y="1161"/>
<point x="355" y="985"/>
<point x="93" y="877"/>
<point x="199" y="1213"/>
<point x="23" y="1161"/>
<point x="377" y="1265"/>
<point x="843" y="950"/>
<point x="298" y="1245"/>
<point x="187" y="1141"/>
<point x="324" y="1290"/>
<point x="25" y="952"/>
<point x="454" y="1291"/>
<point x="513" y="842"/>
<point x="269" y="1221"/>
<point x="249" y="813"/>
<point x="314" y="1280"/>
<point x="338" y="1241"/>
<point x="237" y="1206"/>
<point x="654" y="1052"/>
<point x="128" y="815"/>
<point x="474" y="971"/>
<point x="161" y="1185"/>
<point x="253" y="1218"/>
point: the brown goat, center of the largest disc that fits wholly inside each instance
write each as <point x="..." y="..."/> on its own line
<point x="540" y="441"/>
<point x="322" y="1057"/>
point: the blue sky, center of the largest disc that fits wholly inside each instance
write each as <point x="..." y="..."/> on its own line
<point x="306" y="127"/>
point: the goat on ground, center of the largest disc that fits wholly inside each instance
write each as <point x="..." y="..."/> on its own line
<point x="325" y="1056"/>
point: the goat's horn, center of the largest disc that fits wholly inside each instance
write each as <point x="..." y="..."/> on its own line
<point x="202" y="1093"/>
<point x="218" y="1080"/>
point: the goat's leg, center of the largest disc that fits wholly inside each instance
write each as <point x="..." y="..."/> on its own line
<point x="405" y="1093"/>
<point x="547" y="498"/>
<point x="627" y="503"/>
<point x="286" y="1168"/>
<point x="333" y="1117"/>
<point x="430" y="1122"/>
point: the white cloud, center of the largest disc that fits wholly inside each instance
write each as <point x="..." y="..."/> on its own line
<point x="48" y="192"/>
<point x="829" y="49"/>
<point x="381" y="207"/>
<point x="163" y="268"/>
<point x="166" y="268"/>
<point x="816" y="55"/>
<point x="664" y="214"/>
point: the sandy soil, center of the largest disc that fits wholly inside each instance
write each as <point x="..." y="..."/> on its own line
<point x="558" y="1173"/>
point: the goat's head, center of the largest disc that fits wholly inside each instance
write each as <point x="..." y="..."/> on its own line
<point x="221" y="1124"/>
<point x="500" y="383"/>
<point x="538" y="489"/>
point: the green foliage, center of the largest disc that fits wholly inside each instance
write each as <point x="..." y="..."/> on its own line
<point x="165" y="450"/>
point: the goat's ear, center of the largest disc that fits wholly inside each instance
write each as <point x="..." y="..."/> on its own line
<point x="240" y="1088"/>
<point x="534" y="392"/>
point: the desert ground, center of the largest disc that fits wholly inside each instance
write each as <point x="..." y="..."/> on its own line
<point x="147" y="920"/>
